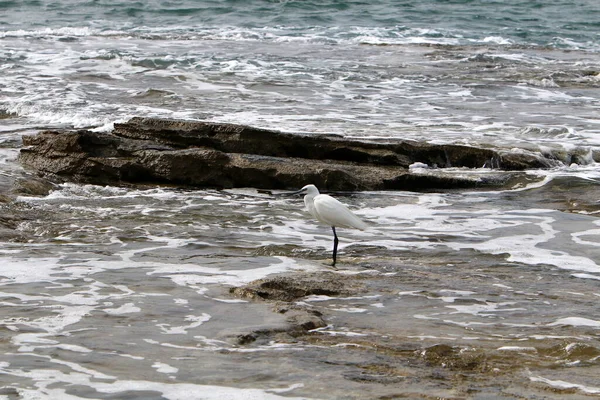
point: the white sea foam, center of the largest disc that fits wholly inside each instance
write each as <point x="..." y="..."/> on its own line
<point x="195" y="321"/>
<point x="587" y="276"/>
<point x="47" y="380"/>
<point x="502" y="286"/>
<point x="484" y="309"/>
<point x="393" y="226"/>
<point x="330" y="330"/>
<point x="547" y="95"/>
<point x="164" y="368"/>
<point x="587" y="237"/>
<point x="63" y="31"/>
<point x="352" y="310"/>
<point x="497" y="40"/>
<point x="192" y="274"/>
<point x="417" y="165"/>
<point x="124" y="309"/>
<point x="576" y="321"/>
<point x="317" y="298"/>
<point x="560" y="384"/>
<point x="518" y="349"/>
<point x="525" y="249"/>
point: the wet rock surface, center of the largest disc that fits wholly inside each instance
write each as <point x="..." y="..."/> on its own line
<point x="424" y="322"/>
<point x="201" y="154"/>
<point x="32" y="186"/>
<point x="285" y="291"/>
<point x="291" y="288"/>
<point x="395" y="359"/>
<point x="13" y="214"/>
<point x="416" y="321"/>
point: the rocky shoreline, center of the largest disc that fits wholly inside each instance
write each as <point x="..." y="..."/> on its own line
<point x="148" y="151"/>
<point x="375" y="355"/>
<point x="317" y="310"/>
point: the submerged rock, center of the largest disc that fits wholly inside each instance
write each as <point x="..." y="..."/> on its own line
<point x="32" y="186"/>
<point x="8" y="226"/>
<point x="291" y="288"/>
<point x="12" y="213"/>
<point x="201" y="154"/>
<point x="284" y="291"/>
<point x="455" y="358"/>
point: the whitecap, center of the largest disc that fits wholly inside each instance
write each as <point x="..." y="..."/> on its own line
<point x="257" y="268"/>
<point x="497" y="40"/>
<point x="194" y="322"/>
<point x="586" y="276"/>
<point x="560" y="384"/>
<point x="576" y="321"/>
<point x="518" y="349"/>
<point x="46" y="385"/>
<point x="164" y="368"/>
<point x="128" y="308"/>
<point x="329" y="330"/>
<point x="46" y="32"/>
<point x="487" y="309"/>
<point x="417" y="165"/>
<point x="351" y="310"/>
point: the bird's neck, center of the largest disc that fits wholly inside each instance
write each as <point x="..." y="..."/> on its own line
<point x="309" y="203"/>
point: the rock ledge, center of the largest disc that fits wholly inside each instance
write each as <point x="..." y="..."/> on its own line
<point x="148" y="151"/>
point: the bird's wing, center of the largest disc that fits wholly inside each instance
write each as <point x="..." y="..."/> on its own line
<point x="333" y="213"/>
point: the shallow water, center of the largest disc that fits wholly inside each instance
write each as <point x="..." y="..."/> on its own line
<point x="125" y="291"/>
<point x="112" y="292"/>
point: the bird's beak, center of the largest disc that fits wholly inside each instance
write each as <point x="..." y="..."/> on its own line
<point x="294" y="193"/>
<point x="288" y="194"/>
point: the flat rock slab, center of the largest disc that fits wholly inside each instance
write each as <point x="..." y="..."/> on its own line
<point x="285" y="291"/>
<point x="148" y="151"/>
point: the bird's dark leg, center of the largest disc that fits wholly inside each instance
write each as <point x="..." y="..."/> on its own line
<point x="335" y="244"/>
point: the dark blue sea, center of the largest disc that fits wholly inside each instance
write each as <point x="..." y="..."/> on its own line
<point x="109" y="292"/>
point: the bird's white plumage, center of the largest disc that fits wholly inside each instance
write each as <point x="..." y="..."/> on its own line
<point x="334" y="213"/>
<point x="330" y="211"/>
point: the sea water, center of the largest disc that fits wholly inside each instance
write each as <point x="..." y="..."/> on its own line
<point x="110" y="292"/>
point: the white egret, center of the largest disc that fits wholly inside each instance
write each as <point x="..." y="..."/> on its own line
<point x="330" y="211"/>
